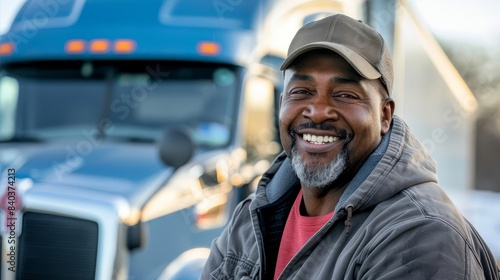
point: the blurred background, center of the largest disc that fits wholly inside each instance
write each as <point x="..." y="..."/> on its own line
<point x="447" y="66"/>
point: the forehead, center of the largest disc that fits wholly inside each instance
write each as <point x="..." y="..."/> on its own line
<point x="322" y="61"/>
<point x="330" y="65"/>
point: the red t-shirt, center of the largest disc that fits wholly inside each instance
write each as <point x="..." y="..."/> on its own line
<point x="298" y="229"/>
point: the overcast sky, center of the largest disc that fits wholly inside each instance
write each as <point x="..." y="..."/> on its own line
<point x="461" y="19"/>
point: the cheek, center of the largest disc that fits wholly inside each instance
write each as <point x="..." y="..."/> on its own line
<point x="366" y="126"/>
<point x="286" y="116"/>
<point x="286" y="119"/>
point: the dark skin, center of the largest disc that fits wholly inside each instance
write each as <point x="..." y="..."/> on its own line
<point x="323" y="88"/>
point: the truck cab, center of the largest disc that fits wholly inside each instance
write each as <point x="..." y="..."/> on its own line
<point x="131" y="130"/>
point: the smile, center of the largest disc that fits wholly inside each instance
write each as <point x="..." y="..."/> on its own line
<point x="320" y="139"/>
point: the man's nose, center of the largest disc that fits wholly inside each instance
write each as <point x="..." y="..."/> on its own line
<point x="320" y="110"/>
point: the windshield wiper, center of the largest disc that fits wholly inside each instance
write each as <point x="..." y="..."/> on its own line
<point x="22" y="139"/>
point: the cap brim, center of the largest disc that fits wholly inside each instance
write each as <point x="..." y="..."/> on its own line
<point x="362" y="66"/>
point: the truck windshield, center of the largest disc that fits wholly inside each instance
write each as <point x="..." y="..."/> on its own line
<point x="129" y="101"/>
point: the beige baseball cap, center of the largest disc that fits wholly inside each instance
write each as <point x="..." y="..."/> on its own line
<point x="359" y="44"/>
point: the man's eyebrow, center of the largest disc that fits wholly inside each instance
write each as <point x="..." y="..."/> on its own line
<point x="309" y="78"/>
<point x="341" y="80"/>
<point x="301" y="77"/>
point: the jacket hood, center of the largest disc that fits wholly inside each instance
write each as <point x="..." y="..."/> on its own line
<point x="398" y="163"/>
<point x="405" y="163"/>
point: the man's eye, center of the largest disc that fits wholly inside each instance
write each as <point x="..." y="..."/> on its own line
<point x="300" y="91"/>
<point x="345" y="95"/>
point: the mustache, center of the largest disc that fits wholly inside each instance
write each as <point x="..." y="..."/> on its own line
<point x="320" y="126"/>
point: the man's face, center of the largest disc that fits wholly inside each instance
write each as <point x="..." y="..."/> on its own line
<point x="330" y="116"/>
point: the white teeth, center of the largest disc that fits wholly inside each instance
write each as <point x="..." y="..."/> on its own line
<point x="320" y="139"/>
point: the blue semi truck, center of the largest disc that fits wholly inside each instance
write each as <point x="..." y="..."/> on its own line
<point x="129" y="130"/>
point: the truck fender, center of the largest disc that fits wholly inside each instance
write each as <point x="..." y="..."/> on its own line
<point x="187" y="266"/>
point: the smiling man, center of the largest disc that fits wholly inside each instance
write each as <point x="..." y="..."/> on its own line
<point x="354" y="195"/>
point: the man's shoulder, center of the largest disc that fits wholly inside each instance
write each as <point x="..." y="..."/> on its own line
<point x="422" y="205"/>
<point x="433" y="203"/>
<point x="424" y="219"/>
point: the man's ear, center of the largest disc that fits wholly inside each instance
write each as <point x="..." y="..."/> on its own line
<point x="387" y="112"/>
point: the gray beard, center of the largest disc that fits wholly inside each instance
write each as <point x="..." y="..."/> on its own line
<point x="316" y="175"/>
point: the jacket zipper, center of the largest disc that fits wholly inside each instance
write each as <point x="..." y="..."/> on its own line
<point x="348" y="221"/>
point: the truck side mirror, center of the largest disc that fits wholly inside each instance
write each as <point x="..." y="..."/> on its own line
<point x="176" y="146"/>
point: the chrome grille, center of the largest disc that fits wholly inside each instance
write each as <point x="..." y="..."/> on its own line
<point x="57" y="247"/>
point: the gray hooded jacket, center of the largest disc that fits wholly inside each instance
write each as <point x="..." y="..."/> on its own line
<point x="393" y="221"/>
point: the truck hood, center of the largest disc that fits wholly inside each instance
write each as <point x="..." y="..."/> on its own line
<point x="111" y="167"/>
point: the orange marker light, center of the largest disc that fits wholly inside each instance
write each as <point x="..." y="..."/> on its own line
<point x="99" y="46"/>
<point x="124" y="46"/>
<point x="208" y="48"/>
<point x="75" y="46"/>
<point x="6" y="48"/>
